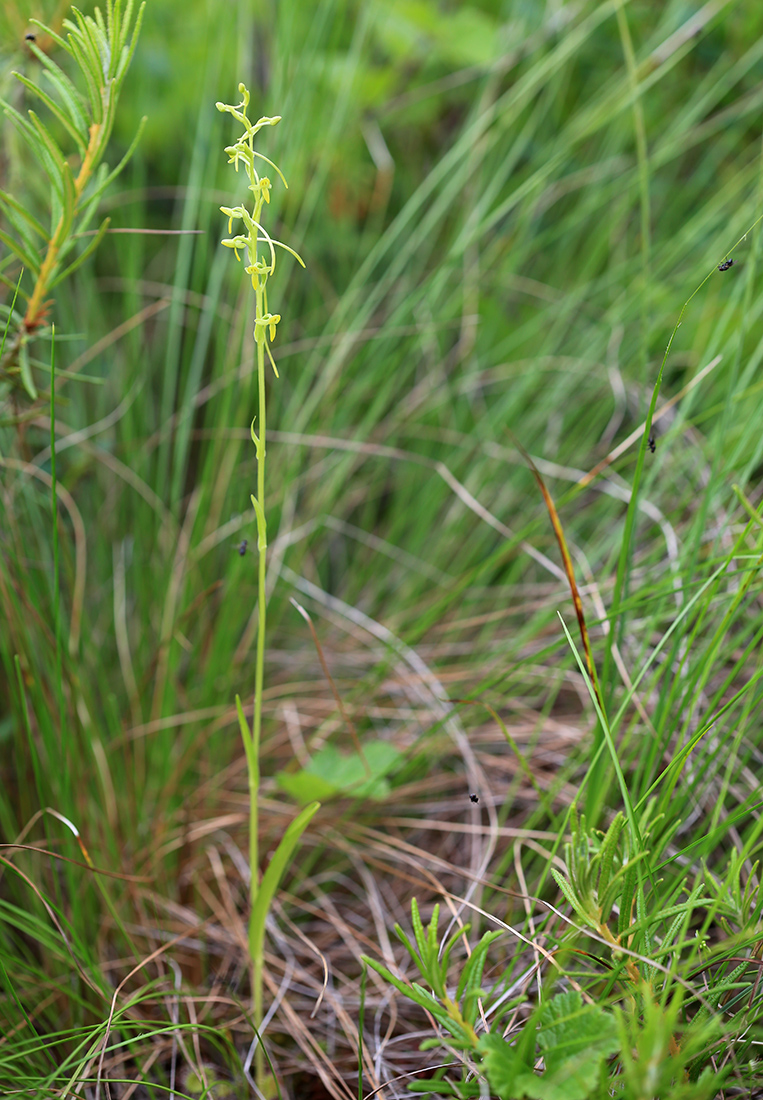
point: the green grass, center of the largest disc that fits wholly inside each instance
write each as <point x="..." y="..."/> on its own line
<point x="471" y="197"/>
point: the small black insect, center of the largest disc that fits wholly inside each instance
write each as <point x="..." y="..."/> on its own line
<point x="242" y="547"/>
<point x="30" y="37"/>
<point x="651" y="444"/>
<point x="474" y="798"/>
<point x="725" y="265"/>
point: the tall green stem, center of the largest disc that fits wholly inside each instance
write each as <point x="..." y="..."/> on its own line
<point x="255" y="948"/>
<point x="261" y="889"/>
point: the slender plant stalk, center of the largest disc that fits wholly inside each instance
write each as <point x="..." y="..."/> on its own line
<point x="64" y="762"/>
<point x="259" y="268"/>
<point x="259" y="677"/>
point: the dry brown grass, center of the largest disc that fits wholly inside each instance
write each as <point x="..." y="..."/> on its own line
<point x="359" y="865"/>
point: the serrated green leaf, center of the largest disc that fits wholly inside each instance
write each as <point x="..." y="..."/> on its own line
<point x="70" y="97"/>
<point x="22" y="125"/>
<point x="54" y="152"/>
<point x="609" y="848"/>
<point x="651" y="919"/>
<point x="95" y="32"/>
<point x="406" y="943"/>
<point x="574" y="1038"/>
<point x="509" y="1070"/>
<point x="26" y="258"/>
<point x="54" y="108"/>
<point x="621" y="885"/>
<point x="568" y="1029"/>
<point x="627" y="894"/>
<point x="727" y="984"/>
<point x="433" y="944"/>
<point x="81" y="36"/>
<point x="25" y="371"/>
<point x="59" y="41"/>
<point x="47" y="164"/>
<point x="446" y="952"/>
<point x="414" y="993"/>
<point x="420" y="954"/>
<point x="11" y="203"/>
<point x="54" y="165"/>
<point x="569" y="894"/>
<point x="90" y="77"/>
<point x="21" y="230"/>
<point x="418" y="926"/>
<point x="471" y="975"/>
<point x="680" y="922"/>
<point x="126" y="52"/>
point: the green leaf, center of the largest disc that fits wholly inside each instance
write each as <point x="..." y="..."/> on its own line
<point x="432" y="943"/>
<point x="91" y="75"/>
<point x="448" y="948"/>
<point x="471" y="976"/>
<point x="22" y="235"/>
<point x="332" y="773"/>
<point x="83" y="35"/>
<point x="29" y="136"/>
<point x="440" y="1088"/>
<point x="609" y="852"/>
<point x="423" y="997"/>
<point x="14" y="205"/>
<point x="49" y="145"/>
<point x="569" y="894"/>
<point x="303" y="786"/>
<point x="574" y="1038"/>
<point x="69" y="95"/>
<point x="569" y="1029"/>
<point x="413" y="992"/>
<point x="509" y="1071"/>
<point x="407" y="944"/>
<point x="25" y="370"/>
<point x="29" y="262"/>
<point x="54" y="108"/>
<point x="418" y="927"/>
<point x="273" y="875"/>
<point x="630" y="882"/>
<point x="126" y="52"/>
<point x="53" y="162"/>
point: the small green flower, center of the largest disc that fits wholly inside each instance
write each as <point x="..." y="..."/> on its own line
<point x="267" y="321"/>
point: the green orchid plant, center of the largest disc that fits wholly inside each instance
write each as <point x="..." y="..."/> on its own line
<point x="261" y="264"/>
